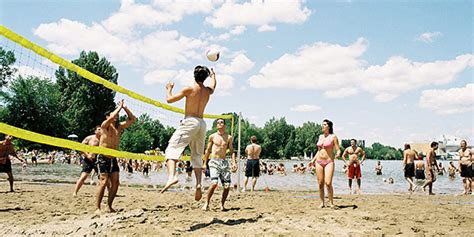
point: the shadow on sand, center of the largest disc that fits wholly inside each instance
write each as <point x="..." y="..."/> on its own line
<point x="229" y="222"/>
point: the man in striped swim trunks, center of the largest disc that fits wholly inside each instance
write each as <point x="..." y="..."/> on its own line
<point x="217" y="146"/>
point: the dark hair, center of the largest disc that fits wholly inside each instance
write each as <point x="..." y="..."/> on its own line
<point x="464" y="141"/>
<point x="201" y="73"/>
<point x="433" y="144"/>
<point x="354" y="140"/>
<point x="253" y="139"/>
<point x="331" y="131"/>
<point x="407" y="146"/>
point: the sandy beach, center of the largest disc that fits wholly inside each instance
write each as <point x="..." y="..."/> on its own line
<point x="50" y="209"/>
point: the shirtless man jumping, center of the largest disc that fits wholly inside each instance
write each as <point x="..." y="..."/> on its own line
<point x="108" y="167"/>
<point x="353" y="152"/>
<point x="465" y="166"/>
<point x="6" y="150"/>
<point x="192" y="130"/>
<point x="431" y="168"/>
<point x="217" y="147"/>
<point x="89" y="162"/>
<point x="409" y="166"/>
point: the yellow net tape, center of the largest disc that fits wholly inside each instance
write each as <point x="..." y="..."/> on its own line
<point x="59" y="142"/>
<point x="39" y="138"/>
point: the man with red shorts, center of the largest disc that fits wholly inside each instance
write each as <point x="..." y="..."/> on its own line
<point x="353" y="171"/>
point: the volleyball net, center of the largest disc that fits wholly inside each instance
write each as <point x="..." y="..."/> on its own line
<point x="34" y="61"/>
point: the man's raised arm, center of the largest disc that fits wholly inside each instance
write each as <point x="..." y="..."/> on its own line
<point x="130" y="118"/>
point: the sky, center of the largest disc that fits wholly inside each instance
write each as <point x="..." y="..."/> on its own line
<point x="382" y="71"/>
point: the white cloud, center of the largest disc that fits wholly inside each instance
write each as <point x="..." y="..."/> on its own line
<point x="319" y="66"/>
<point x="428" y="37"/>
<point x="26" y="71"/>
<point x="238" y="30"/>
<point x="305" y="108"/>
<point x="450" y="101"/>
<point x="399" y="75"/>
<point x="239" y="64"/>
<point x="132" y="15"/>
<point x="339" y="71"/>
<point x="266" y="27"/>
<point x="258" y="13"/>
<point x="161" y="49"/>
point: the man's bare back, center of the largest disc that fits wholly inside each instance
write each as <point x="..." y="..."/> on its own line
<point x="253" y="151"/>
<point x="91" y="140"/>
<point x="409" y="155"/>
<point x="197" y="96"/>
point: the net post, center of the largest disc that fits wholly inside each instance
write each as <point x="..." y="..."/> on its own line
<point x="238" y="152"/>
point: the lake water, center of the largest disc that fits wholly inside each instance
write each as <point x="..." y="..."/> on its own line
<point x="371" y="183"/>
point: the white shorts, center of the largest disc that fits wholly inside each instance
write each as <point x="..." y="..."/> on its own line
<point x="192" y="132"/>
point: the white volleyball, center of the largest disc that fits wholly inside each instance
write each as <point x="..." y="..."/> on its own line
<point x="212" y="55"/>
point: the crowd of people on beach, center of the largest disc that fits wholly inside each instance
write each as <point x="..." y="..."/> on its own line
<point x="216" y="165"/>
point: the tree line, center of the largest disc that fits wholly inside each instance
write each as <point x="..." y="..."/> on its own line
<point x="70" y="104"/>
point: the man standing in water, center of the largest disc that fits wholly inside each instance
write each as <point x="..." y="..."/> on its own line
<point x="353" y="152"/>
<point x="431" y="168"/>
<point x="465" y="166"/>
<point x="217" y="147"/>
<point x="409" y="166"/>
<point x="6" y="150"/>
<point x="192" y="130"/>
<point x="111" y="130"/>
<point x="253" y="163"/>
<point x="89" y="162"/>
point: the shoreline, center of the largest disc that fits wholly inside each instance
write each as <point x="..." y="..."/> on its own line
<point x="50" y="209"/>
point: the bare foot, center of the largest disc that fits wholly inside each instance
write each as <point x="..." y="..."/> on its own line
<point x="431" y="194"/>
<point x="243" y="190"/>
<point x="205" y="207"/>
<point x="74" y="194"/>
<point x="111" y="210"/>
<point x="424" y="189"/>
<point x="169" y="184"/>
<point x="322" y="205"/>
<point x="198" y="193"/>
<point x="223" y="208"/>
<point x="98" y="212"/>
<point x="332" y="206"/>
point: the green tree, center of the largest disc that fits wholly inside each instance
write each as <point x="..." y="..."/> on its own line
<point x="306" y="137"/>
<point x="32" y="103"/>
<point x="83" y="103"/>
<point x="276" y="135"/>
<point x="7" y="58"/>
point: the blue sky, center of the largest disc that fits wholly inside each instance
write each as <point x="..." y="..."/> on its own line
<point x="387" y="71"/>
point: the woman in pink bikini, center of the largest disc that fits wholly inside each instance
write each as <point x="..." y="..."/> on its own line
<point x="324" y="159"/>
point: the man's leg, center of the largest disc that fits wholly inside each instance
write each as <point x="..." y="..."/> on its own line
<point x="198" y="174"/>
<point x="10" y="180"/>
<point x="103" y="180"/>
<point x="225" y="193"/>
<point x="246" y="180"/>
<point x="350" y="185"/>
<point x="115" y="182"/>
<point x="172" y="178"/>
<point x="254" y="182"/>
<point x="358" y="185"/>
<point x="80" y="182"/>
<point x="210" y="192"/>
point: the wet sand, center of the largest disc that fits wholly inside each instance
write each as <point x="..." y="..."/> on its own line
<point x="38" y="209"/>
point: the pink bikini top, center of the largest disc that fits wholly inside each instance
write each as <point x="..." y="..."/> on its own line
<point x="326" y="142"/>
